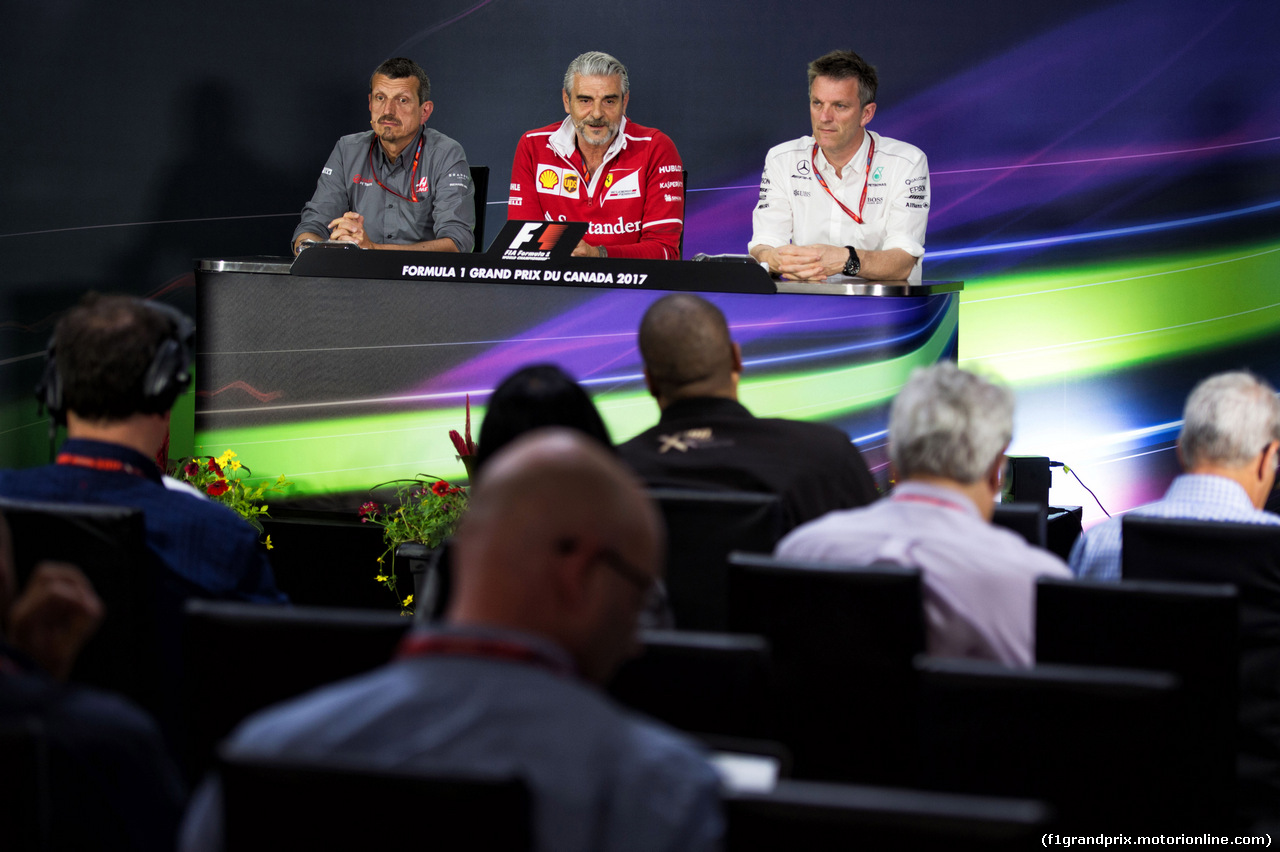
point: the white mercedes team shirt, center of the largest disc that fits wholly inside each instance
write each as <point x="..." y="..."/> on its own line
<point x="794" y="208"/>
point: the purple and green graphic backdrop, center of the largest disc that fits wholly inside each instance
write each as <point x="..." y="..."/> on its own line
<point x="1106" y="175"/>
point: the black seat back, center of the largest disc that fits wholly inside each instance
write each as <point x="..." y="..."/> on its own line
<point x="815" y="817"/>
<point x="1246" y="556"/>
<point x="480" y="180"/>
<point x="702" y="528"/>
<point x="107" y="543"/>
<point x="242" y="657"/>
<point x="1102" y="746"/>
<point x="1190" y="630"/>
<point x="703" y="683"/>
<point x="843" y="639"/>
<point x="1029" y="520"/>
<point x="276" y="804"/>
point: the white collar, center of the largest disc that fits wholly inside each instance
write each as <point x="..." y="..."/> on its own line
<point x="859" y="156"/>
<point x="564" y="141"/>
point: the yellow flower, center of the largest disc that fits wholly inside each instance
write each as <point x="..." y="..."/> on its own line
<point x="381" y="578"/>
<point x="226" y="457"/>
<point x="379" y="560"/>
<point x="270" y="546"/>
<point x="408" y="600"/>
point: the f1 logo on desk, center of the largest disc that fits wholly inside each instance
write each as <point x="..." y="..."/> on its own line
<point x="539" y="240"/>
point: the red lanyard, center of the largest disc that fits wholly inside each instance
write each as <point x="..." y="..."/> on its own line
<point x="473" y="646"/>
<point x="921" y="498"/>
<point x="857" y="217"/>
<point x="95" y="463"/>
<point x="413" y="184"/>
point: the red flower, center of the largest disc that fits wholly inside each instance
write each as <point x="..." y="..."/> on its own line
<point x="369" y="508"/>
<point x="440" y="488"/>
<point x="191" y="469"/>
<point x="213" y="466"/>
<point x="465" y="447"/>
<point x="217" y="489"/>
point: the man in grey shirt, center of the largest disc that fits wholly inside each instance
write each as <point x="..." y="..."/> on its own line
<point x="399" y="185"/>
<point x="552" y="564"/>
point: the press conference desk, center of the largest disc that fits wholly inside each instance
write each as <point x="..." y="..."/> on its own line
<point x="346" y="369"/>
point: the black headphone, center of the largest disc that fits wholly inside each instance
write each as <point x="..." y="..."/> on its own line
<point x="167" y="376"/>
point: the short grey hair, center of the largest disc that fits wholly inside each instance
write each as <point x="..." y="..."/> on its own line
<point x="595" y="63"/>
<point x="1229" y="419"/>
<point x="949" y="423"/>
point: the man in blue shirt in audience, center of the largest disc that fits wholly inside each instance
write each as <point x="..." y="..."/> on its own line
<point x="554" y="560"/>
<point x="115" y="367"/>
<point x="1228" y="447"/>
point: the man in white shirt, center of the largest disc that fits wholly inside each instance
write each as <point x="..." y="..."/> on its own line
<point x="845" y="200"/>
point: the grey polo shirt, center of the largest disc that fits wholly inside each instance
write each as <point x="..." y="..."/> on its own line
<point x="445" y="207"/>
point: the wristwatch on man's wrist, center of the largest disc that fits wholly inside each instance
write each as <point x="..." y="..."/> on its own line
<point x="853" y="265"/>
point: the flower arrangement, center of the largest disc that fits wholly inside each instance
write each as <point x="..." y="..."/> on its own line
<point x="427" y="511"/>
<point x="223" y="479"/>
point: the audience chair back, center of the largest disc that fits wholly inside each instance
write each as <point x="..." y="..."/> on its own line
<point x="1029" y="520"/>
<point x="702" y="683"/>
<point x="843" y="639"/>
<point x="480" y="181"/>
<point x="26" y="799"/>
<point x="108" y="543"/>
<point x="702" y="528"/>
<point x="274" y="804"/>
<point x="1101" y="746"/>
<point x="801" y="816"/>
<point x="241" y="658"/>
<point x="1248" y="557"/>
<point x="1189" y="630"/>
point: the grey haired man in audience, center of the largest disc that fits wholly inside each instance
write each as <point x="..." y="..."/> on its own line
<point x="553" y="562"/>
<point x="948" y="432"/>
<point x="1228" y="445"/>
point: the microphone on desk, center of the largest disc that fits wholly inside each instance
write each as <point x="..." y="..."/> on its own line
<point x="725" y="258"/>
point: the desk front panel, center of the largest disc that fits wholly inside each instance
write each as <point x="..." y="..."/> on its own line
<point x="345" y="384"/>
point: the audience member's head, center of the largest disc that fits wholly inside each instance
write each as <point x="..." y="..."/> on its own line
<point x="559" y="540"/>
<point x="952" y="426"/>
<point x="1231" y="427"/>
<point x="117" y="364"/>
<point x="687" y="351"/>
<point x="533" y="397"/>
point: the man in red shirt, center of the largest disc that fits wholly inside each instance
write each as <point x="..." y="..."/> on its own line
<point x="626" y="181"/>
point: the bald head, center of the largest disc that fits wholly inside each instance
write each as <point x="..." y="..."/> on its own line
<point x="687" y="351"/>
<point x="561" y="541"/>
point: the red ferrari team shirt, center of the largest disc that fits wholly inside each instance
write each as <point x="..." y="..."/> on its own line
<point x="633" y="204"/>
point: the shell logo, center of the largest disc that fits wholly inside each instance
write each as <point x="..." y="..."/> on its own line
<point x="548" y="178"/>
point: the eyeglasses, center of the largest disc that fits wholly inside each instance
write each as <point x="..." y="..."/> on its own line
<point x="645" y="583"/>
<point x="630" y="572"/>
